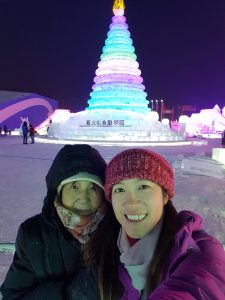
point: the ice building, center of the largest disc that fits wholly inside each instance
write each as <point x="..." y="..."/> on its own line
<point x="34" y="107"/>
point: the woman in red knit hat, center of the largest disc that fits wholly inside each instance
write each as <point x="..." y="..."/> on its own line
<point x="149" y="251"/>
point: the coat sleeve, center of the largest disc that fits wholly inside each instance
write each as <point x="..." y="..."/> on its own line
<point x="21" y="281"/>
<point x="199" y="276"/>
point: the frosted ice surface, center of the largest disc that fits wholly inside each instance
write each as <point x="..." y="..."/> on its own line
<point x="203" y="166"/>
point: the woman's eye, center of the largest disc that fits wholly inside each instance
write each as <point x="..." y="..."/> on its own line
<point x="74" y="187"/>
<point x="144" y="187"/>
<point x="93" y="188"/>
<point x="118" y="190"/>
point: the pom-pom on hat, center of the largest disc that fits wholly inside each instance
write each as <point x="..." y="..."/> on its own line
<point x="139" y="163"/>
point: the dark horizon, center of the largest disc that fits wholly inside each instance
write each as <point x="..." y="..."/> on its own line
<point x="53" y="48"/>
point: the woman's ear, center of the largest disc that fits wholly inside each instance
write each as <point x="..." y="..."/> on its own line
<point x="165" y="197"/>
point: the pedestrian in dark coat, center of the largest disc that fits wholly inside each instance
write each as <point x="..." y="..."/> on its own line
<point x="48" y="245"/>
<point x="5" y="129"/>
<point x="25" y="131"/>
<point x="158" y="254"/>
<point x="32" y="133"/>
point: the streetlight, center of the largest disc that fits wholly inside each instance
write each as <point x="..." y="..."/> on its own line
<point x="152" y="105"/>
<point x="156" y="104"/>
<point x="161" y="110"/>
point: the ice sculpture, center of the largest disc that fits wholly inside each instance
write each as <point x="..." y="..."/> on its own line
<point x="118" y="109"/>
<point x="118" y="84"/>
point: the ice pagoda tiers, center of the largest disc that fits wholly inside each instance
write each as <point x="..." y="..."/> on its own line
<point x="117" y="109"/>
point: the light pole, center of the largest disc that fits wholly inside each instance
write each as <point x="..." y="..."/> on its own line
<point x="157" y="105"/>
<point x="152" y="105"/>
<point x="161" y="110"/>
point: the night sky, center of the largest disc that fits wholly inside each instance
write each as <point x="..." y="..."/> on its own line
<point x="52" y="48"/>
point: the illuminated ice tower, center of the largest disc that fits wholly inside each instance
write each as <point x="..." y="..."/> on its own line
<point x="118" y="109"/>
<point x="118" y="82"/>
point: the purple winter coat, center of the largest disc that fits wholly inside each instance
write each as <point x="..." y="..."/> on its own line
<point x="195" y="267"/>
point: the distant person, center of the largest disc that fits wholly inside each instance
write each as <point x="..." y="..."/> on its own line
<point x="25" y="131"/>
<point x="32" y="133"/>
<point x="5" y="130"/>
<point x="50" y="122"/>
<point x="158" y="253"/>
<point x="48" y="245"/>
<point x="223" y="139"/>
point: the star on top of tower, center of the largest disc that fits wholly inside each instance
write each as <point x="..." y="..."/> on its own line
<point x="118" y="4"/>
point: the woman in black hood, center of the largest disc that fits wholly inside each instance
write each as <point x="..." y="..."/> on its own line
<point x="48" y="245"/>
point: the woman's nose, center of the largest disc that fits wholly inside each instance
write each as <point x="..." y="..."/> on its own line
<point x="131" y="199"/>
<point x="83" y="193"/>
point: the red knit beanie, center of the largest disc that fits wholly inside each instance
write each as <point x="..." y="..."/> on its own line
<point x="139" y="163"/>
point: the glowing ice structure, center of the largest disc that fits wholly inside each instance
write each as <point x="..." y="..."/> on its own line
<point x="118" y="109"/>
<point x="118" y="84"/>
<point x="110" y="125"/>
<point x="208" y="121"/>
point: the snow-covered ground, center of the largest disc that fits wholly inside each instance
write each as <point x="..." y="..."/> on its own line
<point x="22" y="185"/>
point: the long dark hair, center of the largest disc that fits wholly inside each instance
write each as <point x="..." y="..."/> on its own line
<point x="102" y="252"/>
<point x="163" y="247"/>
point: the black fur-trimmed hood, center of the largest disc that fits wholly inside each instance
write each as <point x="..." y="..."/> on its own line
<point x="70" y="160"/>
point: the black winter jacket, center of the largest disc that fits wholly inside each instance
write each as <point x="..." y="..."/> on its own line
<point x="44" y="262"/>
<point x="47" y="256"/>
